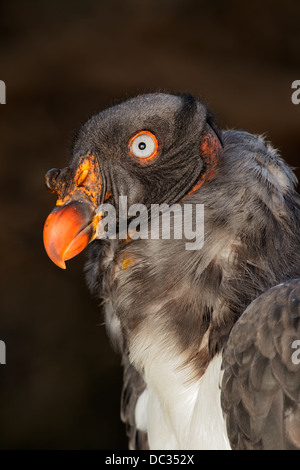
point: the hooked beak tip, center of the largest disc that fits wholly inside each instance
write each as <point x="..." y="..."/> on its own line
<point x="67" y="231"/>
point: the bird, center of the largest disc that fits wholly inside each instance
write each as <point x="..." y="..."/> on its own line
<point x="209" y="337"/>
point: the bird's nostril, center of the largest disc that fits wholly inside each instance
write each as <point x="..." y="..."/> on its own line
<point x="82" y="177"/>
<point x="50" y="179"/>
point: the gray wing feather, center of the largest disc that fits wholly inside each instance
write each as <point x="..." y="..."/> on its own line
<point x="260" y="391"/>
<point x="133" y="387"/>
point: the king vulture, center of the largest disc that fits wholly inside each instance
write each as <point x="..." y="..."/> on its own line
<point x="209" y="336"/>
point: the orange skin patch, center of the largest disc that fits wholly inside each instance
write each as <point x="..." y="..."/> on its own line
<point x="107" y="196"/>
<point x="87" y="182"/>
<point x="211" y="151"/>
<point x="126" y="263"/>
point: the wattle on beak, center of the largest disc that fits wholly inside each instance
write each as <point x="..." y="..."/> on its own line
<point x="72" y="225"/>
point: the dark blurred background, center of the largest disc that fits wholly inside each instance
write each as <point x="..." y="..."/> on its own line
<point x="62" y="62"/>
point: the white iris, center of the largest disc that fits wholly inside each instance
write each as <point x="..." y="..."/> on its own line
<point x="143" y="146"/>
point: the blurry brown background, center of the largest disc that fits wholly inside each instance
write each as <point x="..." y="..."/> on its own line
<point x="62" y="62"/>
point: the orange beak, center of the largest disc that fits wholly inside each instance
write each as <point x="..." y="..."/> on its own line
<point x="73" y="223"/>
<point x="68" y="230"/>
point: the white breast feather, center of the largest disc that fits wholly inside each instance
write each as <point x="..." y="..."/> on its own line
<point x="178" y="414"/>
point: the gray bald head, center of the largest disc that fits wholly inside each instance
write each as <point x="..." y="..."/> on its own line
<point x="177" y="123"/>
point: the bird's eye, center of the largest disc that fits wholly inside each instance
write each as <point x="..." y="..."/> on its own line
<point x="144" y="146"/>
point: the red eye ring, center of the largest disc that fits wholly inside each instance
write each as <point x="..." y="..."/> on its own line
<point x="145" y="138"/>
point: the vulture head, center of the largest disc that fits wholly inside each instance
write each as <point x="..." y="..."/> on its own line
<point x="207" y="335"/>
<point x="152" y="149"/>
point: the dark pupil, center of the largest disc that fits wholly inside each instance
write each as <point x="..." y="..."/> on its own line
<point x="142" y="145"/>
